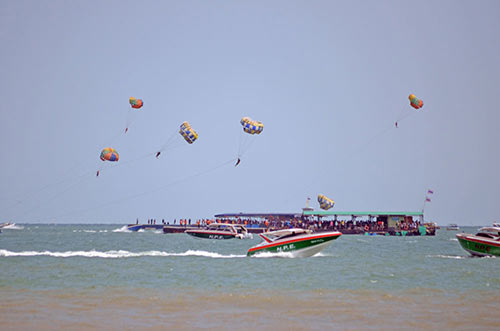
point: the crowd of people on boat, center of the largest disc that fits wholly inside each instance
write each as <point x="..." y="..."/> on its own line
<point x="343" y="225"/>
<point x="319" y="225"/>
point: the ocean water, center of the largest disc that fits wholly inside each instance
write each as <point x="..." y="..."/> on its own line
<point x="91" y="276"/>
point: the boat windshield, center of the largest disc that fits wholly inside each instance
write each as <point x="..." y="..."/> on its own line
<point x="221" y="227"/>
<point x="280" y="234"/>
<point x="489" y="231"/>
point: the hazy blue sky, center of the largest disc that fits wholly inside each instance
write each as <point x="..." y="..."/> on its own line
<point x="327" y="78"/>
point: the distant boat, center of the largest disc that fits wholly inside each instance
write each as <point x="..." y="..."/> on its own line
<point x="5" y="225"/>
<point x="485" y="242"/>
<point x="220" y="231"/>
<point x="452" y="227"/>
<point x="298" y="242"/>
<point x="137" y="227"/>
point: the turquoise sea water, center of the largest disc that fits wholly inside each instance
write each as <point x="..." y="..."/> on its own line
<point x="42" y="266"/>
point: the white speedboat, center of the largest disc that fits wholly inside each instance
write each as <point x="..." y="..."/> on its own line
<point x="7" y="224"/>
<point x="297" y="242"/>
<point x="220" y="231"/>
<point x="452" y="227"/>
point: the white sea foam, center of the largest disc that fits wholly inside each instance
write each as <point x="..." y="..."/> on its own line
<point x="207" y="254"/>
<point x="448" y="256"/>
<point x="266" y="255"/>
<point x="321" y="254"/>
<point x="122" y="229"/>
<point x="115" y="254"/>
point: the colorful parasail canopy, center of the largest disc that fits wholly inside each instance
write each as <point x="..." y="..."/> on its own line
<point x="324" y="202"/>
<point x="135" y="103"/>
<point x="109" y="154"/>
<point x="250" y="126"/>
<point x="415" y="102"/>
<point x="188" y="132"/>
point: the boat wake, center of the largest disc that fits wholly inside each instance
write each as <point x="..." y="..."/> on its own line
<point x="286" y="255"/>
<point x="123" y="229"/>
<point x="457" y="257"/>
<point x="321" y="254"/>
<point x="266" y="255"/>
<point x="116" y="254"/>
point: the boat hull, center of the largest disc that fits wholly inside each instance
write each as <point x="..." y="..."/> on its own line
<point x="137" y="227"/>
<point x="210" y="234"/>
<point x="300" y="247"/>
<point x="479" y="246"/>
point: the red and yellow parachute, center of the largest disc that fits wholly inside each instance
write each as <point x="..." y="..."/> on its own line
<point x="109" y="154"/>
<point x="415" y="102"/>
<point x="135" y="103"/>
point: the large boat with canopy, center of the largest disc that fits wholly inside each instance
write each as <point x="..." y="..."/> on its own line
<point x="389" y="223"/>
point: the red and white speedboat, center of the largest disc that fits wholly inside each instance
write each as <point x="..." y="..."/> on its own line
<point x="297" y="242"/>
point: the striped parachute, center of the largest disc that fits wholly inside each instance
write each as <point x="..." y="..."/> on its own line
<point x="324" y="202"/>
<point x="250" y="126"/>
<point x="135" y="103"/>
<point x="188" y="133"/>
<point x="109" y="154"/>
<point x="415" y="102"/>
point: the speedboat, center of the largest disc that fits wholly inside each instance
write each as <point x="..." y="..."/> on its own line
<point x="452" y="227"/>
<point x="297" y="242"/>
<point x="137" y="227"/>
<point x="485" y="242"/>
<point x="4" y="225"/>
<point x="220" y="231"/>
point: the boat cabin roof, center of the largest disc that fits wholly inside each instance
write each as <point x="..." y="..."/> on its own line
<point x="258" y="215"/>
<point x="361" y="213"/>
